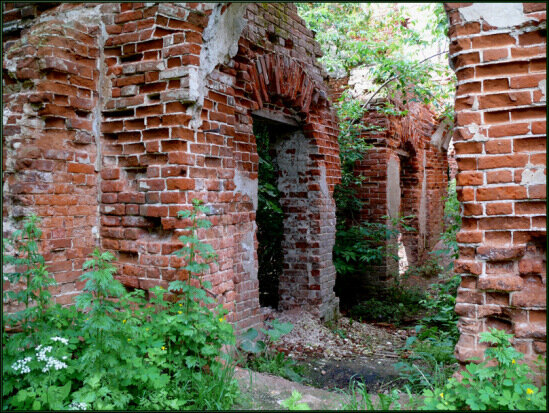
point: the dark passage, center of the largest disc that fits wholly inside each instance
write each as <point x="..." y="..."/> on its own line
<point x="269" y="216"/>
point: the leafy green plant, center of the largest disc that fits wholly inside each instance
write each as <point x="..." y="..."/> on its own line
<point x="389" y="303"/>
<point x="499" y="383"/>
<point x="269" y="219"/>
<point x="358" y="398"/>
<point x="38" y="378"/>
<point x="429" y="269"/>
<point x="121" y="351"/>
<point x="429" y="355"/>
<point x="29" y="269"/>
<point x="292" y="402"/>
<point x="452" y="220"/>
<point x="262" y="357"/>
<point x="353" y="35"/>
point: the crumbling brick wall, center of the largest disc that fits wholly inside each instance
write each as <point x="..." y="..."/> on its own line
<point x="50" y="131"/>
<point x="406" y="174"/>
<point x="499" y="55"/>
<point x="118" y="115"/>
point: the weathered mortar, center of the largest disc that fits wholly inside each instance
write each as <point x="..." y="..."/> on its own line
<point x="499" y="55"/>
<point x="170" y="92"/>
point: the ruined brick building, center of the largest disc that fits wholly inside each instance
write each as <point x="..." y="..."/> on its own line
<point x="117" y="115"/>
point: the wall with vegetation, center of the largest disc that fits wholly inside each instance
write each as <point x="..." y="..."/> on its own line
<point x="118" y="115"/>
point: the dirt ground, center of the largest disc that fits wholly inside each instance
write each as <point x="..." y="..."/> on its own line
<point x="331" y="356"/>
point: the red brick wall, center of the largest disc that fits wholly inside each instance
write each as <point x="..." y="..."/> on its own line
<point x="50" y="78"/>
<point x="170" y="112"/>
<point x="423" y="176"/>
<point x="500" y="143"/>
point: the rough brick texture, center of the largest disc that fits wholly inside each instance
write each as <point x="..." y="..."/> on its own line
<point x="500" y="144"/>
<point x="118" y="115"/>
<point x="407" y="173"/>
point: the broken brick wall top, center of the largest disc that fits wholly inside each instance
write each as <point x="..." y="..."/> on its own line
<point x="405" y="173"/>
<point x="499" y="55"/>
<point x="118" y="115"/>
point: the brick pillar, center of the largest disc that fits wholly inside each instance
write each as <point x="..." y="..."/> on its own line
<point x="499" y="55"/>
<point x="51" y="81"/>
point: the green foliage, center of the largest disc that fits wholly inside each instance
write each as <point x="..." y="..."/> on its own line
<point x="121" y="351"/>
<point x="500" y="383"/>
<point x="261" y="356"/>
<point x="429" y="269"/>
<point x="292" y="402"/>
<point x="29" y="268"/>
<point x="365" y="243"/>
<point x="391" y="303"/>
<point x="358" y="399"/>
<point x="430" y="353"/>
<point x="269" y="219"/>
<point x="452" y="219"/>
<point x="352" y="36"/>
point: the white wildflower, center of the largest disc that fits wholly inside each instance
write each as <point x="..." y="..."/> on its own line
<point x="77" y="406"/>
<point x="61" y="339"/>
<point x="41" y="352"/>
<point x="21" y="367"/>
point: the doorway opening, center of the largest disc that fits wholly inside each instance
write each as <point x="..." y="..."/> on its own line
<point x="269" y="216"/>
<point x="282" y="224"/>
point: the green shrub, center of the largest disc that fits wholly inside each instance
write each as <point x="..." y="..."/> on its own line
<point x="293" y="402"/>
<point x="263" y="358"/>
<point x="391" y="303"/>
<point x="116" y="350"/>
<point x="358" y="399"/>
<point x="29" y="269"/>
<point x="430" y="357"/>
<point x="269" y="219"/>
<point x="504" y="385"/>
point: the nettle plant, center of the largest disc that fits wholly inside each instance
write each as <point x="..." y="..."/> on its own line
<point x="29" y="276"/>
<point x="500" y="383"/>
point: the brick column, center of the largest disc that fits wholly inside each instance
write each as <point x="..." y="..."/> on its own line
<point x="499" y="54"/>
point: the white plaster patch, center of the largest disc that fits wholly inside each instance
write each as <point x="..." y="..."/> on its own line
<point x="248" y="261"/>
<point x="220" y="44"/>
<point x="543" y="87"/>
<point x="422" y="216"/>
<point x="533" y="177"/>
<point x="246" y="186"/>
<point x="323" y="183"/>
<point x="477" y="136"/>
<point x="393" y="187"/>
<point x="495" y="14"/>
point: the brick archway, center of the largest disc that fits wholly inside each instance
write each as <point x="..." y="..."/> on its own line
<point x="282" y="89"/>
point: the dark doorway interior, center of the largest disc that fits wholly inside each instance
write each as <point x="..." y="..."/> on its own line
<point x="269" y="215"/>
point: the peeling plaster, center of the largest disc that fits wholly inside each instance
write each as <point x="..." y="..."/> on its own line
<point x="477" y="136"/>
<point x="533" y="176"/>
<point x="220" y="44"/>
<point x="393" y="186"/>
<point x="442" y="136"/>
<point x="246" y="186"/>
<point x="543" y="87"/>
<point x="495" y="14"/>
<point x="248" y="260"/>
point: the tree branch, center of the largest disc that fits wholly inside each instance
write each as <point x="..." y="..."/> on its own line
<point x="365" y="106"/>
